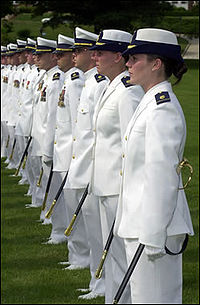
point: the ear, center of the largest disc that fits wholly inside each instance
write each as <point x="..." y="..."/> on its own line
<point x="118" y="57"/>
<point x="157" y="63"/>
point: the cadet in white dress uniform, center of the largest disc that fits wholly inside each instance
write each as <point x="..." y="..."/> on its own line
<point x="37" y="189"/>
<point x="74" y="189"/>
<point x="11" y="107"/>
<point x="43" y="137"/>
<point x="152" y="209"/>
<point x="63" y="135"/>
<point x="24" y="69"/>
<point x="112" y="114"/>
<point x="4" y="87"/>
<point x="80" y="167"/>
<point x="24" y="124"/>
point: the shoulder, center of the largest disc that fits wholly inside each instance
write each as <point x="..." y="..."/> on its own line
<point x="126" y="81"/>
<point x="162" y="97"/>
<point x="99" y="77"/>
<point x="75" y="75"/>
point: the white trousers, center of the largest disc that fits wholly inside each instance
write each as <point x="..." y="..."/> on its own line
<point x="4" y="138"/>
<point x="78" y="248"/>
<point x="91" y="216"/>
<point x="160" y="281"/>
<point x="115" y="263"/>
<point x="37" y="191"/>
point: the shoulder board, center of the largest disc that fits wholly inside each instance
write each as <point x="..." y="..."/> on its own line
<point x="126" y="81"/>
<point x="162" y="97"/>
<point x="99" y="77"/>
<point x="56" y="76"/>
<point x="74" y="75"/>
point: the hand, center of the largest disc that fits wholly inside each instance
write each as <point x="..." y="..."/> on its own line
<point x="154" y="252"/>
<point x="47" y="160"/>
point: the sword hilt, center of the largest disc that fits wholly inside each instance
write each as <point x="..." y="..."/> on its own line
<point x="181" y="165"/>
<point x="24" y="162"/>
<point x="69" y="228"/>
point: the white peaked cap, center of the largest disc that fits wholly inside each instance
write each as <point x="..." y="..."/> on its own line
<point x="156" y="35"/>
<point x="46" y="42"/>
<point x="117" y="35"/>
<point x="65" y="40"/>
<point x="31" y="41"/>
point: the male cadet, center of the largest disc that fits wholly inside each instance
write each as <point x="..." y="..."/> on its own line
<point x="20" y="77"/>
<point x="11" y="107"/>
<point x="24" y="124"/>
<point x="37" y="192"/>
<point x="43" y="137"/>
<point x="4" y="86"/>
<point x="80" y="167"/>
<point x="66" y="114"/>
<point x="112" y="114"/>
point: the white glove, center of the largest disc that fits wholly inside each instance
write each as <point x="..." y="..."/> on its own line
<point x="47" y="160"/>
<point x="154" y="252"/>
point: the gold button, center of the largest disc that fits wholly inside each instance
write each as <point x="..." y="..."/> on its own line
<point x="55" y="142"/>
<point x="82" y="110"/>
<point x="126" y="138"/>
<point x="94" y="130"/>
<point x="123" y="155"/>
<point x="121" y="172"/>
<point x="73" y="157"/>
<point x="74" y="139"/>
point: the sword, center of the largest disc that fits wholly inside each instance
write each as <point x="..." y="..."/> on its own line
<point x="105" y="252"/>
<point x="24" y="157"/>
<point x="12" y="152"/>
<point x="128" y="273"/>
<point x="69" y="228"/>
<point x="40" y="177"/>
<point x="47" y="188"/>
<point x="48" y="214"/>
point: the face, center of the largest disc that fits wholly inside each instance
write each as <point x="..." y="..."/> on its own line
<point x="64" y="60"/>
<point x="29" y="57"/>
<point x="14" y="59"/>
<point x="22" y="57"/>
<point x="105" y="61"/>
<point x="140" y="69"/>
<point x="82" y="56"/>
<point x="44" y="60"/>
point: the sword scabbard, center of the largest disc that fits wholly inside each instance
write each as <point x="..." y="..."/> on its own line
<point x="100" y="268"/>
<point x="48" y="214"/>
<point x="69" y="229"/>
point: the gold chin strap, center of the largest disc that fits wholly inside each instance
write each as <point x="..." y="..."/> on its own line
<point x="181" y="165"/>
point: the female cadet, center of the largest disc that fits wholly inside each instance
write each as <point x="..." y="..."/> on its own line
<point x="152" y="208"/>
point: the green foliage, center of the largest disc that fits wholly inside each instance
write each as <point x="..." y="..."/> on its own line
<point x="23" y="34"/>
<point x="180" y="24"/>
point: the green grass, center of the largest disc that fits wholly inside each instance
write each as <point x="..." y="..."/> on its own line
<point x="30" y="273"/>
<point x="30" y="270"/>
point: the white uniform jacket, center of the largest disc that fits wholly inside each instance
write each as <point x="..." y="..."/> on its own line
<point x="150" y="205"/>
<point x="81" y="162"/>
<point x="4" y="89"/>
<point x="45" y="113"/>
<point x="66" y="117"/>
<point x="24" y="124"/>
<point x="112" y="114"/>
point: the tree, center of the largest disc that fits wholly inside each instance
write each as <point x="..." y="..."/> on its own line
<point x="121" y="14"/>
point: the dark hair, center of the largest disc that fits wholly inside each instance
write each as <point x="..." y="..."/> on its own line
<point x="171" y="67"/>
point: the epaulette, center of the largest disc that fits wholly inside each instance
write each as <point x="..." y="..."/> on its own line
<point x="56" y="76"/>
<point x="99" y="77"/>
<point x="162" y="97"/>
<point x="126" y="81"/>
<point x="74" y="75"/>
